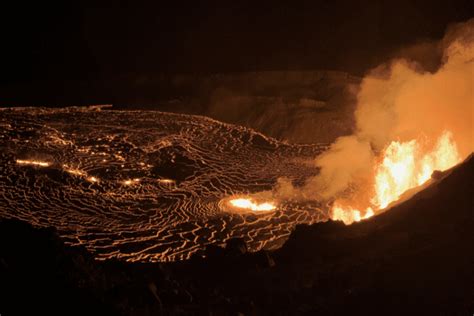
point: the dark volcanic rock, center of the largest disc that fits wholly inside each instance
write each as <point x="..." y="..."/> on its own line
<point x="37" y="271"/>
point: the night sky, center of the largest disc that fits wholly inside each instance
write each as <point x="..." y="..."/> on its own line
<point x="84" y="40"/>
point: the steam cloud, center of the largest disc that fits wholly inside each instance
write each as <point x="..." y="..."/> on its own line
<point x="400" y="101"/>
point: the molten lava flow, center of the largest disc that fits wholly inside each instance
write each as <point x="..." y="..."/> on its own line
<point x="167" y="181"/>
<point x="92" y="179"/>
<point x="74" y="171"/>
<point x="348" y="214"/>
<point x="131" y="181"/>
<point x="403" y="166"/>
<point x="249" y="204"/>
<point x="32" y="162"/>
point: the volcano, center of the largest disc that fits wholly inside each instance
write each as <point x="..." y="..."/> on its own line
<point x="244" y="158"/>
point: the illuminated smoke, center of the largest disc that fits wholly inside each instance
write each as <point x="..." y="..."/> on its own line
<point x="400" y="103"/>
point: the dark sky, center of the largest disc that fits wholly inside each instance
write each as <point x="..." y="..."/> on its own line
<point x="81" y="39"/>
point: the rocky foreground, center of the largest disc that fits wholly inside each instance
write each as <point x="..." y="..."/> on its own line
<point x="415" y="259"/>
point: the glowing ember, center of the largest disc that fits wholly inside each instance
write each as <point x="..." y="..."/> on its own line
<point x="249" y="204"/>
<point x="132" y="181"/>
<point x="403" y="166"/>
<point x="93" y="179"/>
<point x="73" y="171"/>
<point x="32" y="162"/>
<point x="169" y="181"/>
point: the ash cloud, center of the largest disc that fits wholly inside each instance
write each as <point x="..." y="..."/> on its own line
<point x="401" y="100"/>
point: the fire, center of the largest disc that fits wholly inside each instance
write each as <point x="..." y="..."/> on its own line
<point x="403" y="166"/>
<point x="349" y="215"/>
<point x="251" y="205"/>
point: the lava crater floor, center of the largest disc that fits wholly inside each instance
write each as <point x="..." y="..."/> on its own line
<point x="146" y="185"/>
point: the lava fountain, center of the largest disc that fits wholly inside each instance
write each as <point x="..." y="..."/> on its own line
<point x="401" y="167"/>
<point x="409" y="123"/>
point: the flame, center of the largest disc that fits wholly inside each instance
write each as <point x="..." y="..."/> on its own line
<point x="403" y="166"/>
<point x="249" y="204"/>
<point x="348" y="214"/>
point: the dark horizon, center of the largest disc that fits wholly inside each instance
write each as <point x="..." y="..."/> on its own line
<point x="128" y="55"/>
<point x="87" y="41"/>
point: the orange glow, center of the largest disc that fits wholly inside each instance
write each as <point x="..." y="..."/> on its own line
<point x="249" y="204"/>
<point x="32" y="162"/>
<point x="92" y="179"/>
<point x="348" y="214"/>
<point x="166" y="180"/>
<point x="74" y="171"/>
<point x="132" y="181"/>
<point x="403" y="166"/>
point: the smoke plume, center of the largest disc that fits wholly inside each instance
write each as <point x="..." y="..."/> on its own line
<point x="401" y="101"/>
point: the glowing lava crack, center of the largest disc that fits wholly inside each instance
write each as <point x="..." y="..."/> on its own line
<point x="147" y="186"/>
